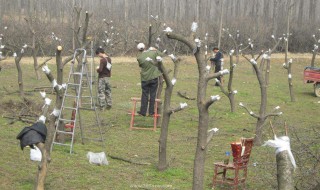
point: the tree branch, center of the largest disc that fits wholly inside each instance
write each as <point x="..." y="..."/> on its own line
<point x="249" y="111"/>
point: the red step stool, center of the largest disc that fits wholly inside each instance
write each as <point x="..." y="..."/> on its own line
<point x="73" y="117"/>
<point x="133" y="114"/>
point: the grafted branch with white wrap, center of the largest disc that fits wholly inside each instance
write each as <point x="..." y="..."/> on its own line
<point x="285" y="160"/>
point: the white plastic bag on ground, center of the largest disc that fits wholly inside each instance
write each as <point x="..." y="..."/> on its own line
<point x="35" y="154"/>
<point x="99" y="158"/>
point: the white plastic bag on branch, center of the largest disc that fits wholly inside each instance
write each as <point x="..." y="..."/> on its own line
<point x="55" y="112"/>
<point x="35" y="154"/>
<point x="183" y="105"/>
<point x="46" y="69"/>
<point x="173" y="81"/>
<point x="97" y="158"/>
<point x="159" y="59"/>
<point x="194" y="27"/>
<point x="42" y="119"/>
<point x="174" y="58"/>
<point x="281" y="144"/>
<point x="43" y="94"/>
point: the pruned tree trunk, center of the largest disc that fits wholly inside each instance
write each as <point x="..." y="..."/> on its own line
<point x="275" y="18"/>
<point x="292" y="96"/>
<point x="263" y="115"/>
<point x="42" y="168"/>
<point x="314" y="54"/>
<point x="35" y="62"/>
<point x="34" y="47"/>
<point x="229" y="93"/>
<point x="284" y="171"/>
<point x="300" y="12"/>
<point x="45" y="148"/>
<point x="203" y="106"/>
<point x="20" y="80"/>
<point x="167" y="111"/>
<point x="150" y="35"/>
<point x="45" y="159"/>
<point x="162" y="164"/>
<point x="59" y="96"/>
<point x="285" y="160"/>
<point x="220" y="23"/>
<point x="159" y="93"/>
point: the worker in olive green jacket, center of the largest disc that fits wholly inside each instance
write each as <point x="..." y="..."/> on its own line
<point x="149" y="77"/>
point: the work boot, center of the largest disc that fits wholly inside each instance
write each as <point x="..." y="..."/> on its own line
<point x="139" y="112"/>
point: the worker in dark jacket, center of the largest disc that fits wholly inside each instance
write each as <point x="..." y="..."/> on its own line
<point x="216" y="61"/>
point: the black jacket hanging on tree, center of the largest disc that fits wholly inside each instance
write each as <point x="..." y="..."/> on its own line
<point x="32" y="135"/>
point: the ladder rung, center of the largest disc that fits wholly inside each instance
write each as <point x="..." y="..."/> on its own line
<point x="75" y="84"/>
<point x="76" y="73"/>
<point x="61" y="144"/>
<point x="68" y="120"/>
<point x="86" y="108"/>
<point x="64" y="132"/>
<point x="71" y="96"/>
<point x="72" y="108"/>
<point x="88" y="103"/>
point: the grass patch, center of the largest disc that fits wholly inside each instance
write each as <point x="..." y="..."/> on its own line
<point x="74" y="171"/>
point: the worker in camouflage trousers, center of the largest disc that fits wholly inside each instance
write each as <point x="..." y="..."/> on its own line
<point x="104" y="86"/>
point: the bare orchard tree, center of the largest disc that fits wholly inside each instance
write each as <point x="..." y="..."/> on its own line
<point x="203" y="106"/>
<point x="154" y="27"/>
<point x="1" y="55"/>
<point x="18" y="51"/>
<point x="263" y="115"/>
<point x="35" y="47"/>
<point x="18" y="54"/>
<point x="59" y="89"/>
<point x="266" y="59"/>
<point x="315" y="50"/>
<point x="42" y="167"/>
<point x="167" y="111"/>
<point x="112" y="37"/>
<point x="82" y="41"/>
<point x="230" y="93"/>
<point x="220" y="21"/>
<point x="288" y="62"/>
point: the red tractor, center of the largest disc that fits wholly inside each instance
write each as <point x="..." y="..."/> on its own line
<point x="312" y="75"/>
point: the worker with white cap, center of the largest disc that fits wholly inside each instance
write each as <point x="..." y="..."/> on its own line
<point x="149" y="77"/>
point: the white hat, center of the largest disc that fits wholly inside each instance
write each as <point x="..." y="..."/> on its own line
<point x="140" y="46"/>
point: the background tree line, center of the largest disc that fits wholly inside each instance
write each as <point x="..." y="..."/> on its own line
<point x="255" y="19"/>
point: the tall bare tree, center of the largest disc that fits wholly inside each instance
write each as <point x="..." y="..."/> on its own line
<point x="167" y="111"/>
<point x="18" y="54"/>
<point x="35" y="47"/>
<point x="289" y="62"/>
<point x="220" y="22"/>
<point x="203" y="106"/>
<point x="263" y="115"/>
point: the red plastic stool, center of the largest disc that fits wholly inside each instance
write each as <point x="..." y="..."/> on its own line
<point x="133" y="114"/>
